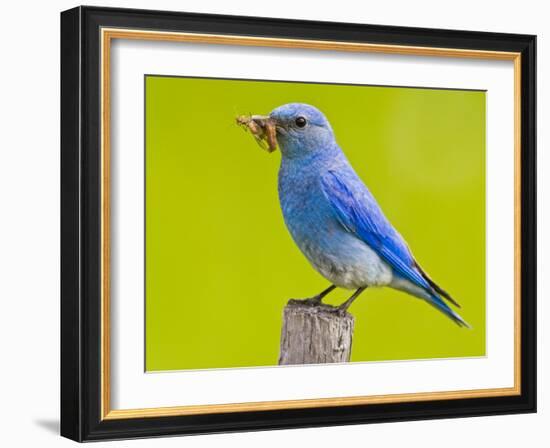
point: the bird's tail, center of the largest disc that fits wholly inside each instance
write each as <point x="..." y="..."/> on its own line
<point x="438" y="303"/>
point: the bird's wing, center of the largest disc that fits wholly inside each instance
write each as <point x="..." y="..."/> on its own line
<point x="435" y="286"/>
<point x="357" y="211"/>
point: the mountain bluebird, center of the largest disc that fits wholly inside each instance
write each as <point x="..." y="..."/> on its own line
<point x="332" y="216"/>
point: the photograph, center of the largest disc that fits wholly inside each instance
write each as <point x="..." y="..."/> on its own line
<point x="367" y="207"/>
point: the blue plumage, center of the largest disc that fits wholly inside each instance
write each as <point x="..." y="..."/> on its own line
<point x="333" y="217"/>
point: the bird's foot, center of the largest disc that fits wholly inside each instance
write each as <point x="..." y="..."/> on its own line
<point x="311" y="301"/>
<point x="317" y="299"/>
<point x="341" y="310"/>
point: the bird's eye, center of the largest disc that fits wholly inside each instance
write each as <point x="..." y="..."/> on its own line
<point x="300" y="122"/>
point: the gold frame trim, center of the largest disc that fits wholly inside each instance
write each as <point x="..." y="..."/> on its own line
<point x="107" y="35"/>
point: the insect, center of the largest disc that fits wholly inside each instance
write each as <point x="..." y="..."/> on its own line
<point x="262" y="129"/>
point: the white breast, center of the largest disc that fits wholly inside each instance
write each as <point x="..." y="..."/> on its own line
<point x="359" y="267"/>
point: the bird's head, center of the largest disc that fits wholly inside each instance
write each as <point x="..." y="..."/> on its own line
<point x="297" y="129"/>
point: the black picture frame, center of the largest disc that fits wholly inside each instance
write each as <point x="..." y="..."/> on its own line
<point x="81" y="228"/>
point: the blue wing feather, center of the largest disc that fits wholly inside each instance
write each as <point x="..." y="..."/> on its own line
<point x="358" y="212"/>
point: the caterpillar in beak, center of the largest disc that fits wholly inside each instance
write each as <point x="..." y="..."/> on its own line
<point x="262" y="129"/>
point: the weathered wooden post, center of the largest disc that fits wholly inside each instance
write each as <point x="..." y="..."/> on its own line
<point x="315" y="333"/>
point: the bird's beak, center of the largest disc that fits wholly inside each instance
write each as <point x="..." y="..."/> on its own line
<point x="263" y="128"/>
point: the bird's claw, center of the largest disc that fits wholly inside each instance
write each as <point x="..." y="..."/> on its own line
<point x="341" y="311"/>
<point x="311" y="301"/>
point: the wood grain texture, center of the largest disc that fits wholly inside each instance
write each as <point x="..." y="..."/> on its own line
<point x="315" y="334"/>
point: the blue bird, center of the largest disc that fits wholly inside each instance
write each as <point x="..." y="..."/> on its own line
<point x="332" y="216"/>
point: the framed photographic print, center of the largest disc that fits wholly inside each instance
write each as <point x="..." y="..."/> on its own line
<point x="273" y="223"/>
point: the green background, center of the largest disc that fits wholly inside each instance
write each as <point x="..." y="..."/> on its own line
<point x="220" y="264"/>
